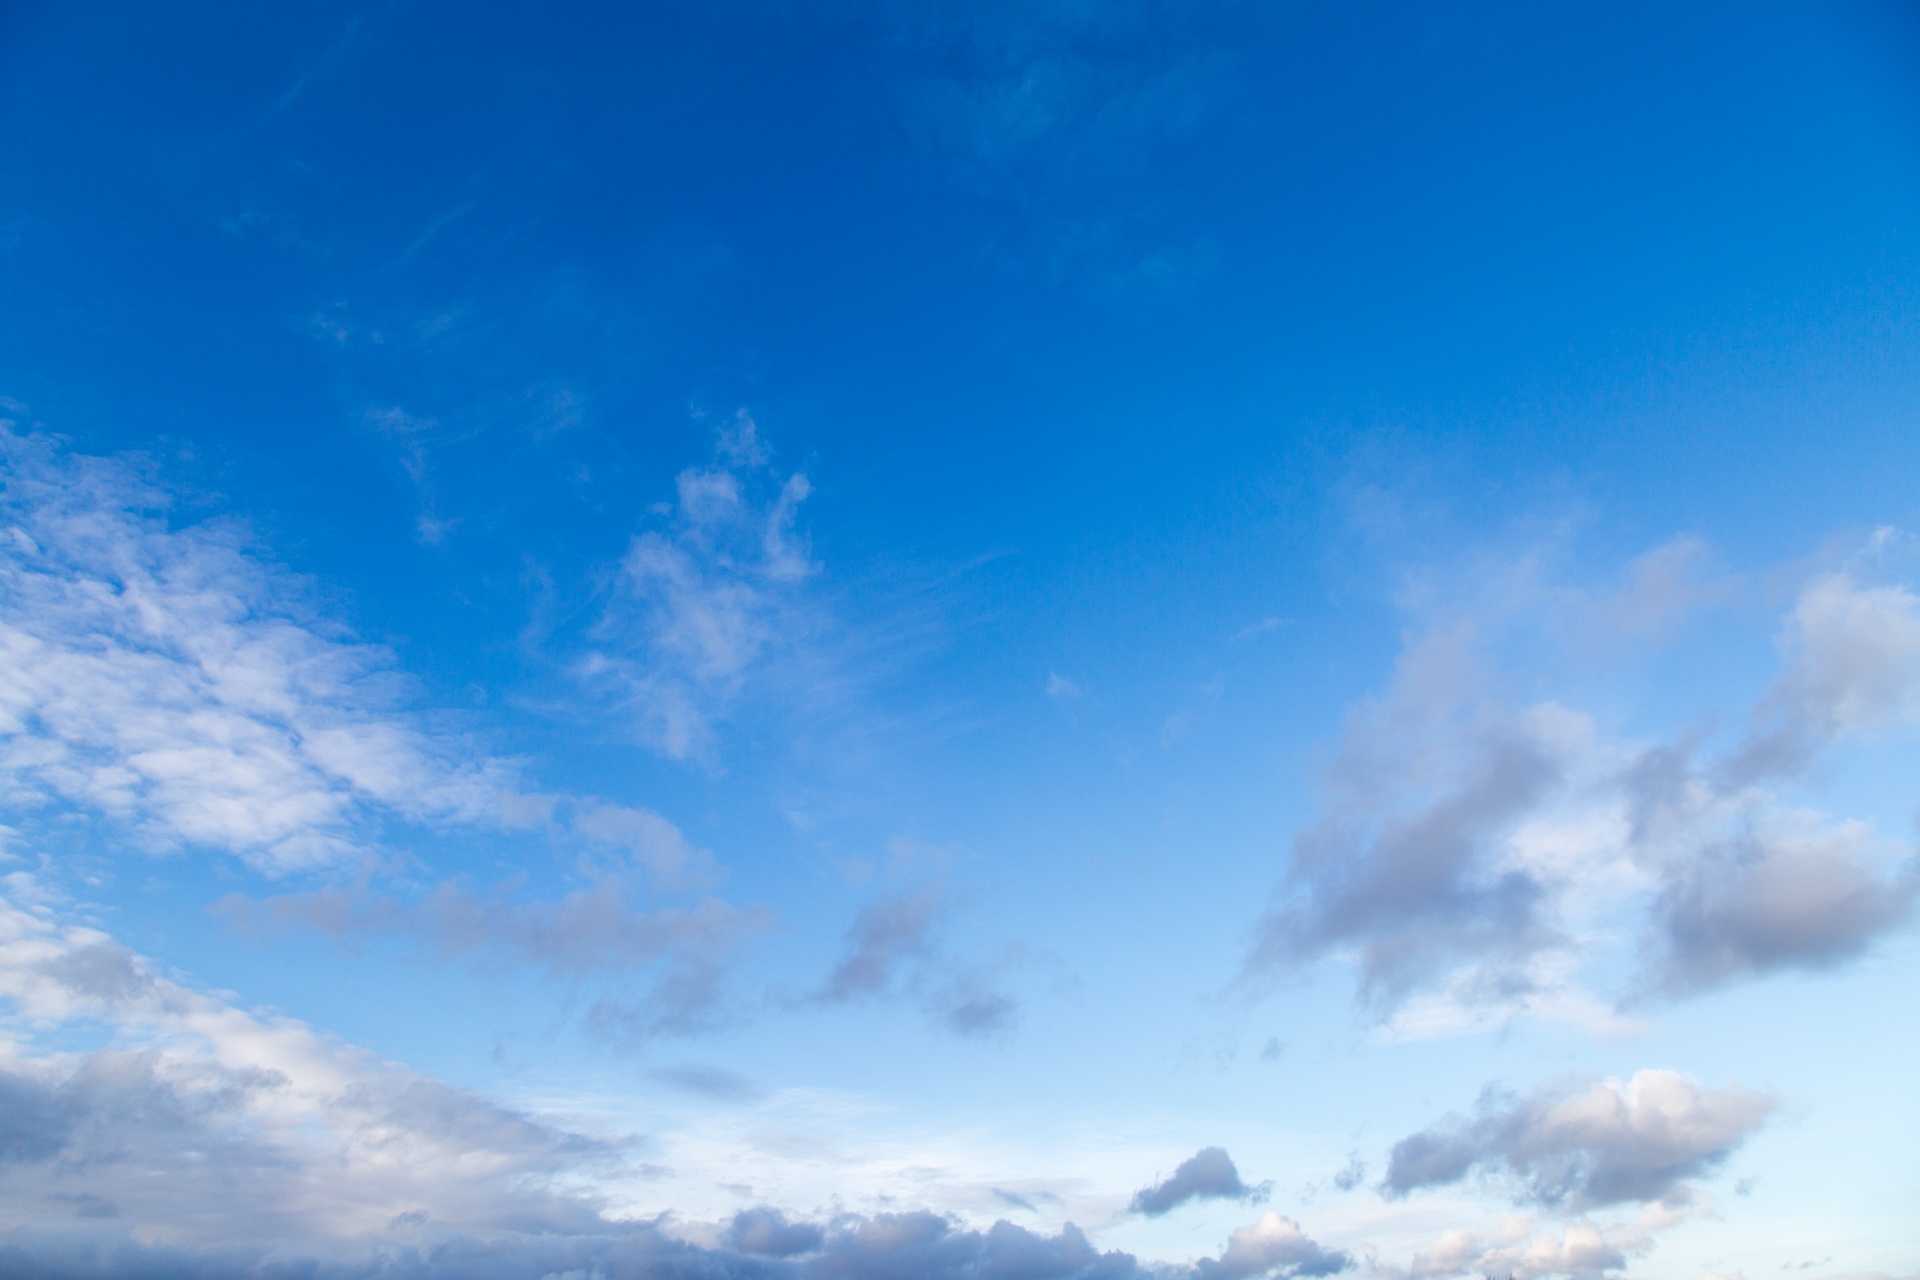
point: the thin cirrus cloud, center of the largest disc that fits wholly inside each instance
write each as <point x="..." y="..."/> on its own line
<point x="1642" y="1141"/>
<point x="1468" y="852"/>
<point x="169" y="679"/>
<point x="677" y="956"/>
<point x="701" y="605"/>
<point x="206" y="1127"/>
<point x="1208" y="1174"/>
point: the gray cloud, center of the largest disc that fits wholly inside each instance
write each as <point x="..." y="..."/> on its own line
<point x="759" y="1244"/>
<point x="1462" y="849"/>
<point x="1773" y="900"/>
<point x="1639" y="1142"/>
<point x="1854" y="665"/>
<point x="1403" y="866"/>
<point x="596" y="931"/>
<point x="768" y="1233"/>
<point x="1208" y="1174"/>
<point x="892" y="948"/>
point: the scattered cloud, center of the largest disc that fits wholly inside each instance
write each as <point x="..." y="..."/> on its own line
<point x="1638" y="1142"/>
<point x="893" y="949"/>
<point x="699" y="603"/>
<point x="1058" y="686"/>
<point x="1470" y="854"/>
<point x="1208" y="1174"/>
<point x="173" y="680"/>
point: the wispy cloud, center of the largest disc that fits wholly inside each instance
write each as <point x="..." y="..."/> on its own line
<point x="176" y="681"/>
<point x="700" y="602"/>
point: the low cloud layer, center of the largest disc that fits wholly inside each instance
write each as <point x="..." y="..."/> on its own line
<point x="1638" y="1142"/>
<point x="213" y="1142"/>
<point x="1208" y="1174"/>
<point x="758" y="1245"/>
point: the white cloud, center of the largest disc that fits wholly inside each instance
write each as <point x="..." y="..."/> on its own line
<point x="1641" y="1141"/>
<point x="700" y="603"/>
<point x="172" y="679"/>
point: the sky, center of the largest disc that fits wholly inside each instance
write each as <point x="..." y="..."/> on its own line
<point x="904" y="640"/>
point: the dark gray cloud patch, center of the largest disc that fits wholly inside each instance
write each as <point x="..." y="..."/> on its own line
<point x="1613" y="1144"/>
<point x="887" y="935"/>
<point x="892" y="948"/>
<point x="1773" y="901"/>
<point x="1404" y="871"/>
<point x="768" y="1233"/>
<point x="1208" y="1174"/>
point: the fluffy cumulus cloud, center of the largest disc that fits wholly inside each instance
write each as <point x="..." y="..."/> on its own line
<point x="204" y="1140"/>
<point x="1637" y="1142"/>
<point x="1582" y="1250"/>
<point x="167" y="677"/>
<point x="1271" y="1246"/>
<point x="1208" y="1174"/>
<point x="701" y="603"/>
<point x="1471" y="853"/>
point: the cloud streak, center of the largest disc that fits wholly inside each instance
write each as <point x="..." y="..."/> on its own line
<point x="1637" y="1142"/>
<point x="172" y="680"/>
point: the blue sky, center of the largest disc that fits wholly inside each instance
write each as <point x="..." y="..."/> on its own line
<point x="888" y="639"/>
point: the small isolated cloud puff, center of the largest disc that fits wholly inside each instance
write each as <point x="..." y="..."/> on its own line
<point x="699" y="603"/>
<point x="1208" y="1174"/>
<point x="1271" y="1246"/>
<point x="891" y="948"/>
<point x="1639" y="1142"/>
<point x="174" y="680"/>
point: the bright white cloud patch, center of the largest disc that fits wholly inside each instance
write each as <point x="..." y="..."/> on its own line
<point x="171" y="679"/>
